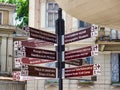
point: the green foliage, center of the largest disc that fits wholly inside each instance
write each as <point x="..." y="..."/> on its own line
<point x="21" y="10"/>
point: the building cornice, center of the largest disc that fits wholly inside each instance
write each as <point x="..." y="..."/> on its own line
<point x="7" y="5"/>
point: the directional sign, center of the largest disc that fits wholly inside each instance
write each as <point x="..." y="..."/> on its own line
<point x="77" y="62"/>
<point x="38" y="71"/>
<point x="20" y="61"/>
<point x="87" y="70"/>
<point x="81" y="52"/>
<point x="81" y="34"/>
<point x="35" y="53"/>
<point x="42" y="35"/>
<point x="34" y="61"/>
<point x="40" y="53"/>
<point x="32" y="43"/>
<point x="17" y="77"/>
<point x="78" y="35"/>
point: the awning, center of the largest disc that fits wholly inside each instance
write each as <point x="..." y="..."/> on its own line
<point x="100" y="12"/>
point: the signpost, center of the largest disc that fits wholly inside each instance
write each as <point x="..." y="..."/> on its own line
<point x="87" y="70"/>
<point x="38" y="71"/>
<point x="60" y="47"/>
<point x="59" y="54"/>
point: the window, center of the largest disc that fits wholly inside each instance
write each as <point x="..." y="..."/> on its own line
<point x="0" y="18"/>
<point x="52" y="13"/>
<point x="115" y="68"/>
<point x="82" y="24"/>
<point x="87" y="61"/>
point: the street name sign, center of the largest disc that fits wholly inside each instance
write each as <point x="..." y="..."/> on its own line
<point x="88" y="70"/>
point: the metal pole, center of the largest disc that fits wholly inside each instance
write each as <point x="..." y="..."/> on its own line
<point x="60" y="46"/>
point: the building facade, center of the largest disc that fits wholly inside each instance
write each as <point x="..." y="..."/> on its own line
<point x="8" y="34"/>
<point x="42" y="15"/>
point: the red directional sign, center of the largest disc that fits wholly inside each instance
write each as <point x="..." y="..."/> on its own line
<point x="34" y="61"/>
<point x="19" y="61"/>
<point x="81" y="52"/>
<point x="35" y="53"/>
<point x="87" y="70"/>
<point x="78" y="53"/>
<point x="40" y="53"/>
<point x="38" y="71"/>
<point x="78" y="35"/>
<point x="77" y="62"/>
<point x="42" y="35"/>
<point x="35" y="43"/>
<point x="17" y="77"/>
<point x="82" y="34"/>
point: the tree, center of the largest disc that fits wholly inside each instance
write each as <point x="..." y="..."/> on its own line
<point x="21" y="10"/>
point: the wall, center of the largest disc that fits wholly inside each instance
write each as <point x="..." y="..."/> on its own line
<point x="10" y="85"/>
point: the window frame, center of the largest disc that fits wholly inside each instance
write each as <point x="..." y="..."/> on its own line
<point x="1" y="20"/>
<point x="85" y="24"/>
<point x="51" y="11"/>
<point x="116" y="83"/>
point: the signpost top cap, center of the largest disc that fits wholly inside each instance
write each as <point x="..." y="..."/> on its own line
<point x="60" y="13"/>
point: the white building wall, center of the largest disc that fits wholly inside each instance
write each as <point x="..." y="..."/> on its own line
<point x="43" y="15"/>
<point x="32" y="13"/>
<point x="11" y="17"/>
<point x="104" y="80"/>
